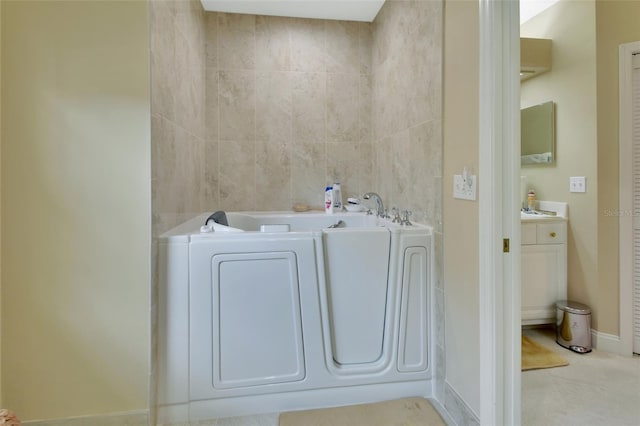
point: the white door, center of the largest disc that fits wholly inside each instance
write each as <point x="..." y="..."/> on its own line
<point x="629" y="197"/>
<point x="636" y="199"/>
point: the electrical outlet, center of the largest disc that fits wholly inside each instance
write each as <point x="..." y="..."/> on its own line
<point x="464" y="189"/>
<point x="577" y="184"/>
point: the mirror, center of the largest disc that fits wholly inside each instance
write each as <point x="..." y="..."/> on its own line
<point x="537" y="134"/>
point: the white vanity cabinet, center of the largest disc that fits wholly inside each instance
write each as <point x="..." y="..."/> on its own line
<point x="543" y="268"/>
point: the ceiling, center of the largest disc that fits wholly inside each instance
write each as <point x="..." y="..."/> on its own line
<point x="344" y="10"/>
<point x="530" y="8"/>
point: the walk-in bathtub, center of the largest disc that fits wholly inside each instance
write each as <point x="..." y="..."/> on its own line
<point x="278" y="312"/>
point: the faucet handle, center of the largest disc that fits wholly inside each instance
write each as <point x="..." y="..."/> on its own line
<point x="405" y="218"/>
<point x="396" y="215"/>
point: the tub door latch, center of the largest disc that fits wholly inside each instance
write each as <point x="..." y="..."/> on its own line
<point x="505" y="245"/>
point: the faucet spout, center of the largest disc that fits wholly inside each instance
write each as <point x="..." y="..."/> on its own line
<point x="378" y="200"/>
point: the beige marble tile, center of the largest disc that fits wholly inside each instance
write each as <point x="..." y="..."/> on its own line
<point x="162" y="144"/>
<point x="426" y="146"/>
<point x="438" y="256"/>
<point x="343" y="107"/>
<point x="366" y="180"/>
<point x="236" y="101"/>
<point x="211" y="40"/>
<point x="440" y="315"/>
<point x="308" y="172"/>
<point x="236" y="41"/>
<point x="349" y="164"/>
<point x="162" y="15"/>
<point x="342" y="53"/>
<point x="274" y="115"/>
<point x="190" y="27"/>
<point x="212" y="110"/>
<point x="391" y="30"/>
<point x="210" y="187"/>
<point x="273" y="43"/>
<point x="402" y="170"/>
<point x="437" y="205"/>
<point x="309" y="106"/>
<point x="273" y="175"/>
<point x="163" y="83"/>
<point x="390" y="100"/>
<point x="365" y="104"/>
<point x="384" y="171"/>
<point x="187" y="175"/>
<point x="440" y="372"/>
<point x="424" y="169"/>
<point x="307" y="45"/>
<point x="236" y="176"/>
<point x="365" y="46"/>
<point x="168" y="192"/>
<point x="189" y="101"/>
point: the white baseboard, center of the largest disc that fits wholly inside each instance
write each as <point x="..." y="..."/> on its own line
<point x="129" y="418"/>
<point x="606" y="342"/>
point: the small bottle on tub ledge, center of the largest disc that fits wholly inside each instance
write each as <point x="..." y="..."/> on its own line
<point x="328" y="199"/>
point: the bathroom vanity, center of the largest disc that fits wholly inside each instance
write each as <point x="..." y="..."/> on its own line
<point x="543" y="262"/>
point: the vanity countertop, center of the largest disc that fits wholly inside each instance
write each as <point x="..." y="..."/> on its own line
<point x="560" y="209"/>
<point x="529" y="217"/>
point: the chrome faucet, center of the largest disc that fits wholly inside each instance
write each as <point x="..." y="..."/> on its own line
<point x="379" y="206"/>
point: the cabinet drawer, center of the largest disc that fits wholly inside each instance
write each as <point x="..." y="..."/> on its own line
<point x="551" y="233"/>
<point x="528" y="233"/>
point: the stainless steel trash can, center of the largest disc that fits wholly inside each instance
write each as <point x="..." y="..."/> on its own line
<point x="573" y="326"/>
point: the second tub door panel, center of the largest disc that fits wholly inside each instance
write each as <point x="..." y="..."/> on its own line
<point x="245" y="316"/>
<point x="257" y="333"/>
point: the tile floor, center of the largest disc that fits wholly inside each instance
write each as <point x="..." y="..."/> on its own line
<point x="595" y="389"/>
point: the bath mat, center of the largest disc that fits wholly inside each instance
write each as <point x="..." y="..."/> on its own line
<point x="536" y="356"/>
<point x="405" y="412"/>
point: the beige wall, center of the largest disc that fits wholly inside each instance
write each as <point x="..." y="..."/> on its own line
<point x="585" y="77"/>
<point x="571" y="84"/>
<point x="75" y="207"/>
<point x="461" y="256"/>
<point x="616" y="23"/>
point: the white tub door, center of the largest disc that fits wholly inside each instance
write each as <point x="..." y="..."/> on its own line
<point x="357" y="272"/>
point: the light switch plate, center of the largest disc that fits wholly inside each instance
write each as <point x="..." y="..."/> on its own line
<point x="577" y="184"/>
<point x="464" y="190"/>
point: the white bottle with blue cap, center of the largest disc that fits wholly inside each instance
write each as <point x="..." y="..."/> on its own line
<point x="337" y="197"/>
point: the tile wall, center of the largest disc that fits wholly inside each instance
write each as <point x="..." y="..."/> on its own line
<point x="178" y="31"/>
<point x="288" y="110"/>
<point x="258" y="113"/>
<point x="407" y="107"/>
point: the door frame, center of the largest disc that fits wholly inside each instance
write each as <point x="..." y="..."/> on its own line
<point x="625" y="212"/>
<point x="499" y="212"/>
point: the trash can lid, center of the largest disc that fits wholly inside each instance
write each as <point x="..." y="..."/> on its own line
<point x="573" y="307"/>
